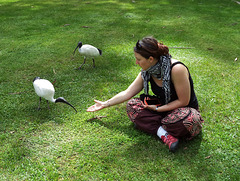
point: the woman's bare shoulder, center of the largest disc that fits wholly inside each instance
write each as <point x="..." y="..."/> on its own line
<point x="179" y="70"/>
<point x="174" y="60"/>
<point x="181" y="66"/>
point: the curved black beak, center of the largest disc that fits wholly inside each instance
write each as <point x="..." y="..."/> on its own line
<point x="75" y="50"/>
<point x="61" y="99"/>
<point x="78" y="46"/>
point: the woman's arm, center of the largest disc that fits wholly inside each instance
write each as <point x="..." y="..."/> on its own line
<point x="132" y="90"/>
<point x="180" y="79"/>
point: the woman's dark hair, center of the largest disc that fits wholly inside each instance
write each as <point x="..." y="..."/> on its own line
<point x="149" y="46"/>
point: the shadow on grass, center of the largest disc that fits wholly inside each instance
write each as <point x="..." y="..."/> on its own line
<point x="184" y="145"/>
<point x="202" y="18"/>
<point x="150" y="150"/>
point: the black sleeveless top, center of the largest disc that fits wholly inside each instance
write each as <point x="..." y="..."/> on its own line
<point x="159" y="91"/>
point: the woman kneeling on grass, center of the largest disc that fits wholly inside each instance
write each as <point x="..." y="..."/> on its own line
<point x="172" y="112"/>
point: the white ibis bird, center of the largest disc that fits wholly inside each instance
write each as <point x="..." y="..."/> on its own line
<point x="88" y="51"/>
<point x="45" y="89"/>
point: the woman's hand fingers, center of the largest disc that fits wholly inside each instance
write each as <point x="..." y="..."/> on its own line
<point x="91" y="108"/>
<point x="150" y="107"/>
<point x="96" y="107"/>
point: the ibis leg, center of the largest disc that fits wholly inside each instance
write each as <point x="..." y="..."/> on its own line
<point x="93" y="63"/>
<point x="39" y="103"/>
<point x="82" y="63"/>
<point x="48" y="104"/>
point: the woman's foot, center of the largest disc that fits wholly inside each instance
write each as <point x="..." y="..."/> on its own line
<point x="171" y="141"/>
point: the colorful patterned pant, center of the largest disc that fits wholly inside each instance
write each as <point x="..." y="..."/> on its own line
<point x="181" y="122"/>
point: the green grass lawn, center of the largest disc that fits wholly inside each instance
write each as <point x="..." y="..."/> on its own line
<point x="38" y="38"/>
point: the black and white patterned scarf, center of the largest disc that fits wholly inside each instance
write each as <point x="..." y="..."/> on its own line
<point x="161" y="70"/>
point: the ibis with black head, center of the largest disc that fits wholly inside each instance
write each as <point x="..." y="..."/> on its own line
<point x="88" y="51"/>
<point x="44" y="89"/>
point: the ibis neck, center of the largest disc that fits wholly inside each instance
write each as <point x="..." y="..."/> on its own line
<point x="53" y="100"/>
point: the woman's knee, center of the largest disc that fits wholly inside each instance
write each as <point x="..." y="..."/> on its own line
<point x="134" y="107"/>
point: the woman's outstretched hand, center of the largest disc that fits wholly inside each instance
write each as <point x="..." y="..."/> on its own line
<point x="97" y="106"/>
